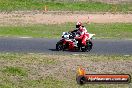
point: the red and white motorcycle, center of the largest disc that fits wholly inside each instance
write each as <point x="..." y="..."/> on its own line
<point x="68" y="42"/>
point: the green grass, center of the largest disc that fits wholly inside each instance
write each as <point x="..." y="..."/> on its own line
<point x="110" y="30"/>
<point x="14" y="71"/>
<point x="29" y="71"/>
<point x="11" y="5"/>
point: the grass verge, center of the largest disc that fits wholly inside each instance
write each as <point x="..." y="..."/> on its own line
<point x="14" y="71"/>
<point x="11" y="5"/>
<point x="110" y="30"/>
<point x="31" y="70"/>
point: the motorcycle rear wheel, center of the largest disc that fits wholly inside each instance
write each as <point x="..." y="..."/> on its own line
<point x="88" y="47"/>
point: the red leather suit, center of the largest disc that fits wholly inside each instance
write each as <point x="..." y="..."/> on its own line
<point x="83" y="35"/>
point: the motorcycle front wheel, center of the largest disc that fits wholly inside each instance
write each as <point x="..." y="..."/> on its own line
<point x="59" y="46"/>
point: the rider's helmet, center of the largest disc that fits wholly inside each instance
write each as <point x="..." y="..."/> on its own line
<point x="78" y="24"/>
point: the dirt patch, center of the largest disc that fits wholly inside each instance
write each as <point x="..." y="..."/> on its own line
<point x="22" y="18"/>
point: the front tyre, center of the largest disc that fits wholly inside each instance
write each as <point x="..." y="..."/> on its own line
<point x="59" y="46"/>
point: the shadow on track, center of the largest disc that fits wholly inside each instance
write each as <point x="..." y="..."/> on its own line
<point x="65" y="50"/>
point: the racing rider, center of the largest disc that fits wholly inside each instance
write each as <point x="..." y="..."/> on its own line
<point x="82" y="33"/>
<point x="77" y="27"/>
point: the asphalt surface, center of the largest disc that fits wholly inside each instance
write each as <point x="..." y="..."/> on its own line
<point x="43" y="45"/>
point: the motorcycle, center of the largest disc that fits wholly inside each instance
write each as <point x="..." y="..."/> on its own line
<point x="68" y="42"/>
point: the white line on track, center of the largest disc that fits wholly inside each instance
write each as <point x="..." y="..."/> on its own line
<point x="24" y="37"/>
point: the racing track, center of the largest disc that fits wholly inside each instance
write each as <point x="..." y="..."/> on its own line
<point x="43" y="45"/>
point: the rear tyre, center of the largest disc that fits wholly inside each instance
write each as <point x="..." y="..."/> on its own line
<point x="88" y="47"/>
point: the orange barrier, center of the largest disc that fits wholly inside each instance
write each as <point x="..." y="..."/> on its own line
<point x="45" y="8"/>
